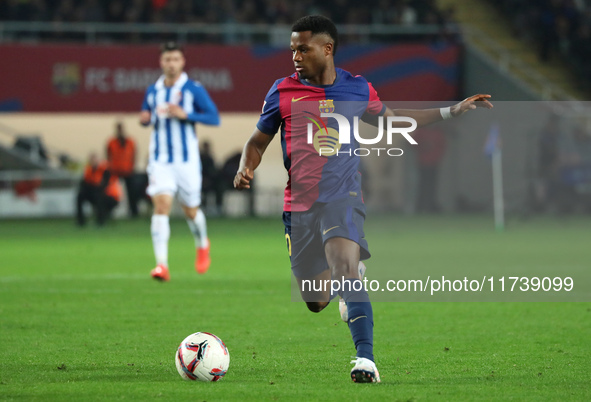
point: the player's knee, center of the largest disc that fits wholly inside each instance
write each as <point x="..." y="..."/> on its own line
<point x="161" y="208"/>
<point x="316" y="307"/>
<point x="191" y="213"/>
<point x="160" y="211"/>
<point x="343" y="267"/>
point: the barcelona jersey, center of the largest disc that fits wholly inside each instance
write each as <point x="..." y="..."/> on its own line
<point x="321" y="167"/>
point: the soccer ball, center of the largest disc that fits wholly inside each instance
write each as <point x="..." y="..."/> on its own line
<point x="203" y="357"/>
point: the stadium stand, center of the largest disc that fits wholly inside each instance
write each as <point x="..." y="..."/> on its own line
<point x="228" y="22"/>
<point x="559" y="29"/>
<point x="249" y="11"/>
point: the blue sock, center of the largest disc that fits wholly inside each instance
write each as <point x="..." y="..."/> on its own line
<point x="360" y="317"/>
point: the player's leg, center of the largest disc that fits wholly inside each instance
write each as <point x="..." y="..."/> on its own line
<point x="341" y="225"/>
<point x="342" y="305"/>
<point x="160" y="229"/>
<point x="160" y="226"/>
<point x="315" y="290"/>
<point x="308" y="263"/>
<point x="198" y="226"/>
<point x="189" y="179"/>
<point x="162" y="187"/>
<point x="343" y="258"/>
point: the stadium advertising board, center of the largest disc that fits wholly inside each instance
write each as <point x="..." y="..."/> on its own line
<point x="78" y="78"/>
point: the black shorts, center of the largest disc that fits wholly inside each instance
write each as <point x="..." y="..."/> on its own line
<point x="306" y="232"/>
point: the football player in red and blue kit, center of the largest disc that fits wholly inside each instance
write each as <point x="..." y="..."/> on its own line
<point x="323" y="208"/>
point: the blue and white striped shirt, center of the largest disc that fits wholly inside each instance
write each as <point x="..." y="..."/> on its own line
<point x="175" y="140"/>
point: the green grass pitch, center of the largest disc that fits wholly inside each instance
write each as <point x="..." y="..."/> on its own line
<point x="80" y="318"/>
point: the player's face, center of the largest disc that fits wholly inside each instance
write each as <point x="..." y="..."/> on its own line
<point x="310" y="53"/>
<point x="172" y="63"/>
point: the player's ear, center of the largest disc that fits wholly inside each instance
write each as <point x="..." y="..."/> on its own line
<point x="328" y="48"/>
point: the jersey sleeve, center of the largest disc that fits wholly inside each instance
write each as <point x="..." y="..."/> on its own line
<point x="145" y="103"/>
<point x="375" y="105"/>
<point x="206" y="111"/>
<point x="270" y="119"/>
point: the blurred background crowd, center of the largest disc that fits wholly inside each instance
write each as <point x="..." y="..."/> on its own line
<point x="406" y="12"/>
<point x="558" y="28"/>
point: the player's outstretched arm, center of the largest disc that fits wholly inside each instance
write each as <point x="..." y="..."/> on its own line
<point x="251" y="158"/>
<point x="470" y="103"/>
<point x="206" y="112"/>
<point x="428" y="116"/>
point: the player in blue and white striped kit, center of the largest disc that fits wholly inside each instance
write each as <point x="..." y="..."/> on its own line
<point x="172" y="106"/>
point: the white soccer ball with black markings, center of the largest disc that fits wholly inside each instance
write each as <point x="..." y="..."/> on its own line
<point x="202" y="357"/>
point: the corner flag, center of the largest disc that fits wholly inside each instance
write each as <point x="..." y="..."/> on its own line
<point x="492" y="148"/>
<point x="493" y="140"/>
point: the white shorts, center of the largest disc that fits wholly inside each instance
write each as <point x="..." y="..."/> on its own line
<point x="183" y="179"/>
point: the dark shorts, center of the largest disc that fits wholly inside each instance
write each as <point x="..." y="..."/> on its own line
<point x="306" y="232"/>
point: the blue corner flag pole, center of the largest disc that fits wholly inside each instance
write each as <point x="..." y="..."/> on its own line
<point x="492" y="148"/>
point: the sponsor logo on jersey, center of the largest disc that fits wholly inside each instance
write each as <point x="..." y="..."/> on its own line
<point x="326" y="106"/>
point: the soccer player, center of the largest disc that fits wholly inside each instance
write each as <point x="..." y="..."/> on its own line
<point x="173" y="105"/>
<point x="324" y="204"/>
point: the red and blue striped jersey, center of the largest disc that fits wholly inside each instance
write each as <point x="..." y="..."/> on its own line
<point x="290" y="105"/>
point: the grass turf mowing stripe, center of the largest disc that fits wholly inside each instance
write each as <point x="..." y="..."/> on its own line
<point x="80" y="319"/>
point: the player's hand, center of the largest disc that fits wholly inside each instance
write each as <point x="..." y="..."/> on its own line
<point x="145" y="117"/>
<point x="243" y="178"/>
<point x="470" y="103"/>
<point x="176" y="111"/>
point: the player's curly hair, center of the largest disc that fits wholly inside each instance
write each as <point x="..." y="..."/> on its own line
<point x="318" y="24"/>
<point x="170" y="46"/>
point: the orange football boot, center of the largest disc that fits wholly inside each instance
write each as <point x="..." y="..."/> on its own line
<point x="161" y="273"/>
<point x="203" y="260"/>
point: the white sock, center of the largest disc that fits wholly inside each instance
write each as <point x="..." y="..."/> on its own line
<point x="160" y="234"/>
<point x="198" y="227"/>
